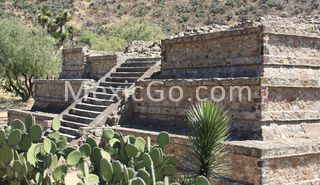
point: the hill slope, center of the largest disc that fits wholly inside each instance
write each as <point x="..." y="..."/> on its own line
<point x="172" y="15"/>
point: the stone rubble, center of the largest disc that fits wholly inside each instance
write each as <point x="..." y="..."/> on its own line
<point x="143" y="48"/>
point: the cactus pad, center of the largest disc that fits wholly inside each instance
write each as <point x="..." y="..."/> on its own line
<point x="117" y="171"/>
<point x="137" y="181"/>
<point x="201" y="180"/>
<point x="73" y="158"/>
<point x="6" y="154"/>
<point x="60" y="172"/>
<point x="85" y="150"/>
<point x="131" y="150"/>
<point x="91" y="142"/>
<point x="55" y="125"/>
<point x="106" y="170"/>
<point x="17" y="124"/>
<point x="157" y="156"/>
<point x="108" y="133"/>
<point x="140" y="143"/>
<point x="29" y="121"/>
<point x="35" y="133"/>
<point x="2" y="137"/>
<point x="47" y="145"/>
<point x="25" y="142"/>
<point x="163" y="139"/>
<point x="169" y="170"/>
<point x="14" y="137"/>
<point x="142" y="173"/>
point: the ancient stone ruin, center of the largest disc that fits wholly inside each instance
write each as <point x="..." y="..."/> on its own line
<point x="275" y="123"/>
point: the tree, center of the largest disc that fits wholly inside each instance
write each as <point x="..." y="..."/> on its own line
<point x="56" y="25"/>
<point x="25" y="54"/>
<point x="209" y="126"/>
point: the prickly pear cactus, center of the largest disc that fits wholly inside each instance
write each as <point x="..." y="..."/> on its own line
<point x="30" y="157"/>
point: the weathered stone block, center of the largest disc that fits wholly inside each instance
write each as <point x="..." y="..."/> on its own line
<point x="56" y="95"/>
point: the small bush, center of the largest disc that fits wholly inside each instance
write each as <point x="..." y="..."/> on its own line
<point x="275" y="4"/>
<point x="157" y="13"/>
<point x="229" y="2"/>
<point x="184" y="18"/>
<point x="242" y="11"/>
<point x="217" y="10"/>
<point x="213" y="20"/>
<point x="97" y="42"/>
<point x="131" y="29"/>
<point x="140" y="10"/>
<point x="179" y="8"/>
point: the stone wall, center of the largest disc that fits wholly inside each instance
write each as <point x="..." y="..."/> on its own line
<point x="73" y="63"/>
<point x="50" y="95"/>
<point x="83" y="63"/>
<point x="40" y="117"/>
<point x="268" y="105"/>
<point x="284" y="63"/>
<point x="99" y="65"/>
<point x="275" y="162"/>
<point x="235" y="53"/>
<point x="173" y="114"/>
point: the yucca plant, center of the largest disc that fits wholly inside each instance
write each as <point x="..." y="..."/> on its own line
<point x="208" y="124"/>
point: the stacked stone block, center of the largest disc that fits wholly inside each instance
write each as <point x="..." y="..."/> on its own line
<point x="280" y="64"/>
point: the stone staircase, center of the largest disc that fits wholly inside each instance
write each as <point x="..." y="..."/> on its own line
<point x="102" y="100"/>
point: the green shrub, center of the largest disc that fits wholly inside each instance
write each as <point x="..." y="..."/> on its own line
<point x="140" y="9"/>
<point x="131" y="29"/>
<point x="26" y="54"/>
<point x="181" y="8"/>
<point x="97" y="42"/>
<point x="208" y="126"/>
<point x="184" y="18"/>
<point x="217" y="10"/>
<point x="229" y="2"/>
<point x="157" y="13"/>
<point x="213" y="20"/>
<point x="276" y="4"/>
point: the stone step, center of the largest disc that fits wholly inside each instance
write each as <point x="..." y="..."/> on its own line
<point x="86" y="106"/>
<point x="72" y="124"/>
<point x="96" y="101"/>
<point x="102" y="95"/>
<point x="79" y="119"/>
<point x="68" y="136"/>
<point x="141" y="59"/>
<point x="132" y="69"/>
<point x="126" y="74"/>
<point x="115" y="84"/>
<point x="68" y="130"/>
<point x="122" y="79"/>
<point x="85" y="113"/>
<point x="108" y="90"/>
<point x="137" y="64"/>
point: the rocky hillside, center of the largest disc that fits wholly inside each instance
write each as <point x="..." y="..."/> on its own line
<point x="172" y="15"/>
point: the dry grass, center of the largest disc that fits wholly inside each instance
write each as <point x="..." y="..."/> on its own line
<point x="8" y="101"/>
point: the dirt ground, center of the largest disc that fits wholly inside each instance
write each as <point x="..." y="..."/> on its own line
<point x="8" y="101"/>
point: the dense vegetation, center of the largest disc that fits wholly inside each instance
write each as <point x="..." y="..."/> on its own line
<point x="28" y="157"/>
<point x="117" y="36"/>
<point x="26" y="53"/>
